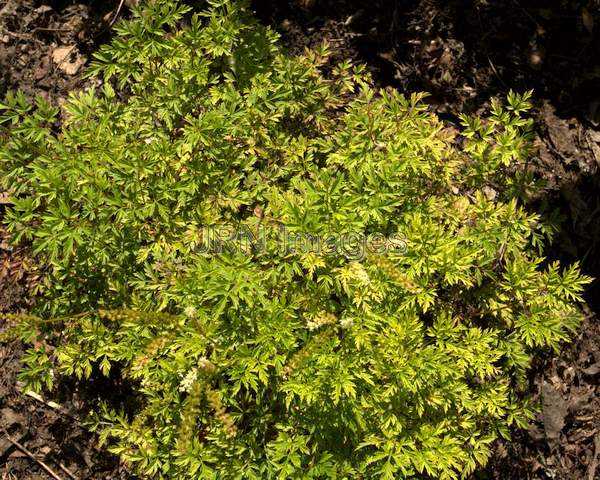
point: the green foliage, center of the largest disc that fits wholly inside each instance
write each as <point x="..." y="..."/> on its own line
<point x="269" y="364"/>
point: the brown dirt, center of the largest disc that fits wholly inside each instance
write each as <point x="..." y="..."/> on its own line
<point x="462" y="52"/>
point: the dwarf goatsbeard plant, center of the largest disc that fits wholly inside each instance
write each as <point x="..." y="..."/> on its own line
<point x="397" y="352"/>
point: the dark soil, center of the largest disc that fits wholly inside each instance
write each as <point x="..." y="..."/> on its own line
<point x="462" y="52"/>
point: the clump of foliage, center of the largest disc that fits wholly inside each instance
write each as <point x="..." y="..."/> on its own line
<point x="257" y="364"/>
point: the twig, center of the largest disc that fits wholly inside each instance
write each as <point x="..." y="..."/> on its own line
<point x="66" y="470"/>
<point x="526" y="12"/>
<point x="113" y="20"/>
<point x="31" y="455"/>
<point x="495" y="71"/>
<point x="50" y="404"/>
<point x="20" y="36"/>
<point x="44" y="29"/>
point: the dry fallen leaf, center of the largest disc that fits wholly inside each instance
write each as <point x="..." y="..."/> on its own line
<point x="60" y="54"/>
<point x="554" y="412"/>
<point x="61" y="57"/>
<point x="5" y="198"/>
